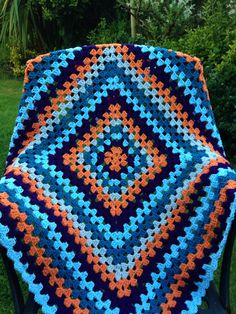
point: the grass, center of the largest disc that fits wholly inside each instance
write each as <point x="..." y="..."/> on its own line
<point x="10" y="91"/>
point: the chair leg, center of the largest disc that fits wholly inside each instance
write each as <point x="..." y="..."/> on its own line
<point x="225" y="269"/>
<point x="220" y="302"/>
<point x="30" y="307"/>
<point x="213" y="301"/>
<point x="17" y="296"/>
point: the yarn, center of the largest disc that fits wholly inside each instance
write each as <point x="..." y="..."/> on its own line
<point x="117" y="195"/>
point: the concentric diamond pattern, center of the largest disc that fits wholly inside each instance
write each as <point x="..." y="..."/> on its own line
<point x="84" y="160"/>
<point x="117" y="197"/>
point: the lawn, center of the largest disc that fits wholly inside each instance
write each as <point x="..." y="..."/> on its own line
<point x="10" y="91"/>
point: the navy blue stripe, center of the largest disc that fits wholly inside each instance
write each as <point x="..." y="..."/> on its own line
<point x="45" y="100"/>
<point x="33" y="268"/>
<point x="172" y="160"/>
<point x="125" y="303"/>
<point x="178" y="92"/>
<point x="194" y="274"/>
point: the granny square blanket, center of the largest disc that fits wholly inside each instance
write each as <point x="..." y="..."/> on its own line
<point x="117" y="195"/>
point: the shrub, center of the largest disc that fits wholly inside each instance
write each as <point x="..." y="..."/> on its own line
<point x="105" y="32"/>
<point x="18" y="58"/>
<point x="206" y="29"/>
<point x="5" y="63"/>
<point x="214" y="42"/>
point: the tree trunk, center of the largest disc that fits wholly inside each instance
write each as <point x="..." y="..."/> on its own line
<point x="132" y="19"/>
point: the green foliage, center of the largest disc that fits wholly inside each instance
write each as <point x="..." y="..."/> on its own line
<point x="113" y="32"/>
<point x="159" y="18"/>
<point x="63" y="21"/>
<point x="10" y="91"/>
<point x="53" y="9"/>
<point x="18" y="59"/>
<point x="5" y="69"/>
<point x="223" y="95"/>
<point x="45" y="25"/>
<point x="206" y="29"/>
<point x="19" y="22"/>
<point x="214" y="42"/>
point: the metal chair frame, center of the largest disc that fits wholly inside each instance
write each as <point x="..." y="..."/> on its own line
<point x="217" y="303"/>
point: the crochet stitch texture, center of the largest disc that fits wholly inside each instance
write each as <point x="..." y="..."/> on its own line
<point x="117" y="196"/>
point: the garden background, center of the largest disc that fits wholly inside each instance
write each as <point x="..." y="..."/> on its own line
<point x="206" y="29"/>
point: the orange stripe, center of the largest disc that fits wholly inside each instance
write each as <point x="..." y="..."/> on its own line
<point x="30" y="65"/>
<point x="122" y="285"/>
<point x="55" y="101"/>
<point x="115" y="206"/>
<point x="165" y="93"/>
<point x="102" y="268"/>
<point x="103" y="46"/>
<point x="35" y="250"/>
<point x="87" y="67"/>
<point x="207" y="237"/>
<point x="130" y="57"/>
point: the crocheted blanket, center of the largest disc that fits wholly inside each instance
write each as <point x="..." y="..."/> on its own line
<point x="117" y="196"/>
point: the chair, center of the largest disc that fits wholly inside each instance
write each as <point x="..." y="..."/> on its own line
<point x="117" y="195"/>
